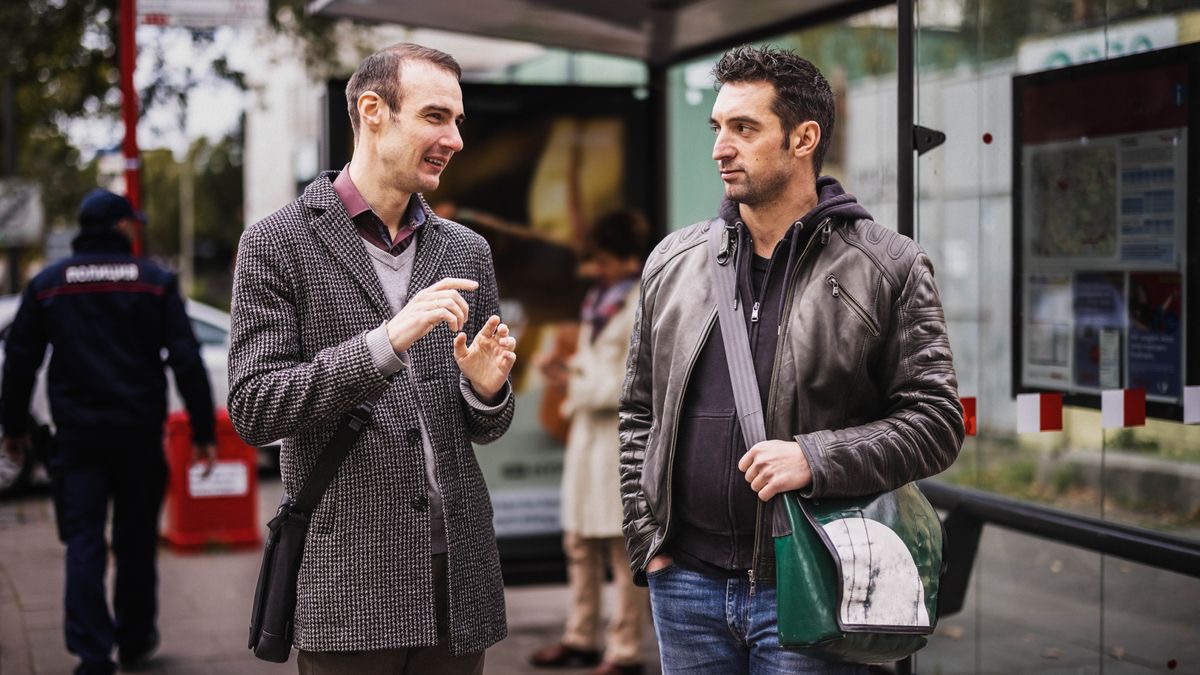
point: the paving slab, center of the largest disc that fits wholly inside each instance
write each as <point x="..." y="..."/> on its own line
<point x="204" y="599"/>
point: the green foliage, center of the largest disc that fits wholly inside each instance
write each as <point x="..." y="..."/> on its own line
<point x="66" y="67"/>
<point x="1126" y="439"/>
<point x="217" y="209"/>
<point x="1066" y="477"/>
<point x="59" y="61"/>
<point x="995" y="28"/>
<point x="316" y="33"/>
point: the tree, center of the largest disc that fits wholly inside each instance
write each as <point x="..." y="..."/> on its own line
<point x="65" y="68"/>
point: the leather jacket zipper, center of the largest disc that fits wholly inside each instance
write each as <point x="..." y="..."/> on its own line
<point x="789" y="293"/>
<point x="708" y="325"/>
<point x="835" y="288"/>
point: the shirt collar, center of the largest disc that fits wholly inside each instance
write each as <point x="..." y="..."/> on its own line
<point x="356" y="204"/>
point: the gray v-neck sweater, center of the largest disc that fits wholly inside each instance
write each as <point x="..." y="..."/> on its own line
<point x="394" y="274"/>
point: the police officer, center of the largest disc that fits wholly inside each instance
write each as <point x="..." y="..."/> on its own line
<point x="108" y="316"/>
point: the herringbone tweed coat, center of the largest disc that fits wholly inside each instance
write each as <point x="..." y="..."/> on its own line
<point x="304" y="296"/>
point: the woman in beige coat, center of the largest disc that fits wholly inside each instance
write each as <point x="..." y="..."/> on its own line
<point x="591" y="501"/>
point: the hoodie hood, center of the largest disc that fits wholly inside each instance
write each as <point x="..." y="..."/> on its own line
<point x="832" y="202"/>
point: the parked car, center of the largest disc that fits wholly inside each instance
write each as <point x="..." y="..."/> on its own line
<point x="211" y="326"/>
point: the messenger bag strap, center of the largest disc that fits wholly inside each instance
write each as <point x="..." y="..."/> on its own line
<point x="723" y="239"/>
<point x="330" y="460"/>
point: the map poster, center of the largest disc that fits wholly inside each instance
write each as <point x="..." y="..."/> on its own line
<point x="1155" y="333"/>
<point x="1072" y="191"/>
<point x="1099" y="313"/>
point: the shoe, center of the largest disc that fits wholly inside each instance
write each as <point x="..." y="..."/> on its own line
<point x="610" y="668"/>
<point x="95" y="668"/>
<point x="562" y="656"/>
<point x="139" y="658"/>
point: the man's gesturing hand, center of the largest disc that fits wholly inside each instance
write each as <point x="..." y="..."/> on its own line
<point x="488" y="360"/>
<point x="440" y="302"/>
<point x="773" y="467"/>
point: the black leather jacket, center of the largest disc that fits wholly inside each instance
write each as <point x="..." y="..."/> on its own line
<point x="879" y="408"/>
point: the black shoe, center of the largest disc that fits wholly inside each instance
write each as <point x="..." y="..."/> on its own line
<point x="562" y="656"/>
<point x="137" y="659"/>
<point x="95" y="668"/>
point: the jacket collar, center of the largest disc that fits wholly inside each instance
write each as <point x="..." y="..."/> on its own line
<point x="334" y="228"/>
<point x="101" y="241"/>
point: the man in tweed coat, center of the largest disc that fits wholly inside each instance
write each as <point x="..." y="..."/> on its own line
<point x="357" y="289"/>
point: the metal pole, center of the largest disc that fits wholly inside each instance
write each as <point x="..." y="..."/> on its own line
<point x="10" y="128"/>
<point x="905" y="91"/>
<point x="127" y="21"/>
<point x="187" y="223"/>
<point x="9" y="171"/>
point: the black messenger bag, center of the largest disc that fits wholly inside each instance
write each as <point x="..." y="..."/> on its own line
<point x="275" y="596"/>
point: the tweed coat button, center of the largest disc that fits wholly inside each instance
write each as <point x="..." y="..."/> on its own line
<point x="412" y="437"/>
<point x="420" y="503"/>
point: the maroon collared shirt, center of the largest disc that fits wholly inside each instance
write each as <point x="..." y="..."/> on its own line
<point x="370" y="226"/>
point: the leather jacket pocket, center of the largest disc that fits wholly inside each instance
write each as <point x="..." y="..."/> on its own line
<point x="839" y="292"/>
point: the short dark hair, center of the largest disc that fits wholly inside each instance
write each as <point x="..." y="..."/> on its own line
<point x="801" y="91"/>
<point x="380" y="73"/>
<point x="623" y="234"/>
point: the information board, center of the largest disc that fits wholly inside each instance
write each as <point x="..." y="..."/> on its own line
<point x="1104" y="200"/>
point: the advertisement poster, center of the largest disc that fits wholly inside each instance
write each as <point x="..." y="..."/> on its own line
<point x="538" y="166"/>
<point x="1048" y="330"/>
<point x="1155" y="333"/>
<point x="1099" y="314"/>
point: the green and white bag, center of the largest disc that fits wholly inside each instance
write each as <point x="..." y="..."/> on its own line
<point x="886" y="551"/>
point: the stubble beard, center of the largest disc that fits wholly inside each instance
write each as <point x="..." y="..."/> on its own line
<point x="755" y="191"/>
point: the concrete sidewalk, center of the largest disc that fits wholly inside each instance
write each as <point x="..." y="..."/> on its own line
<point x="204" y="604"/>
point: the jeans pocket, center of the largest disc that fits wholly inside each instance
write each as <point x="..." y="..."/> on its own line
<point x="662" y="571"/>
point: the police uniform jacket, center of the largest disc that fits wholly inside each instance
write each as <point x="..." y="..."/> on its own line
<point x="109" y="316"/>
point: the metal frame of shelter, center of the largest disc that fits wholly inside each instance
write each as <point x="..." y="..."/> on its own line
<point x="661" y="33"/>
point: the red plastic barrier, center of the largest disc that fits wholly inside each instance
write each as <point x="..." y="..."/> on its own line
<point x="220" y="509"/>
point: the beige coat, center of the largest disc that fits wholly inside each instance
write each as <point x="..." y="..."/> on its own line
<point x="591" y="498"/>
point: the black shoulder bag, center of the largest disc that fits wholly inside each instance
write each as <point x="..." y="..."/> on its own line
<point x="275" y="596"/>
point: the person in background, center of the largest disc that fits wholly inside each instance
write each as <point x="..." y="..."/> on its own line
<point x="591" y="501"/>
<point x="108" y="315"/>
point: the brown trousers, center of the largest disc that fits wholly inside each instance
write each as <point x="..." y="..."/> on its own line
<point x="586" y="557"/>
<point x="412" y="661"/>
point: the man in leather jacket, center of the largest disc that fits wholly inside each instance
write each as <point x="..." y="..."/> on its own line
<point x="851" y="355"/>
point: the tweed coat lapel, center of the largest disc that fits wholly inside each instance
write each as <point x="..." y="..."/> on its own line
<point x="336" y="231"/>
<point x="431" y="248"/>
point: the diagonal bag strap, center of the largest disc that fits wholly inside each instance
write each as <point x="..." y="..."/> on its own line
<point x="330" y="460"/>
<point x="723" y="240"/>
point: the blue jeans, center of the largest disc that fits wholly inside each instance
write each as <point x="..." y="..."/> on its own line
<point x="707" y="625"/>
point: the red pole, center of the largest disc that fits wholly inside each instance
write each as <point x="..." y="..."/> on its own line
<point x="127" y="21"/>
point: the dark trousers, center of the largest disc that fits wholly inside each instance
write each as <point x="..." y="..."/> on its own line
<point x="133" y="476"/>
